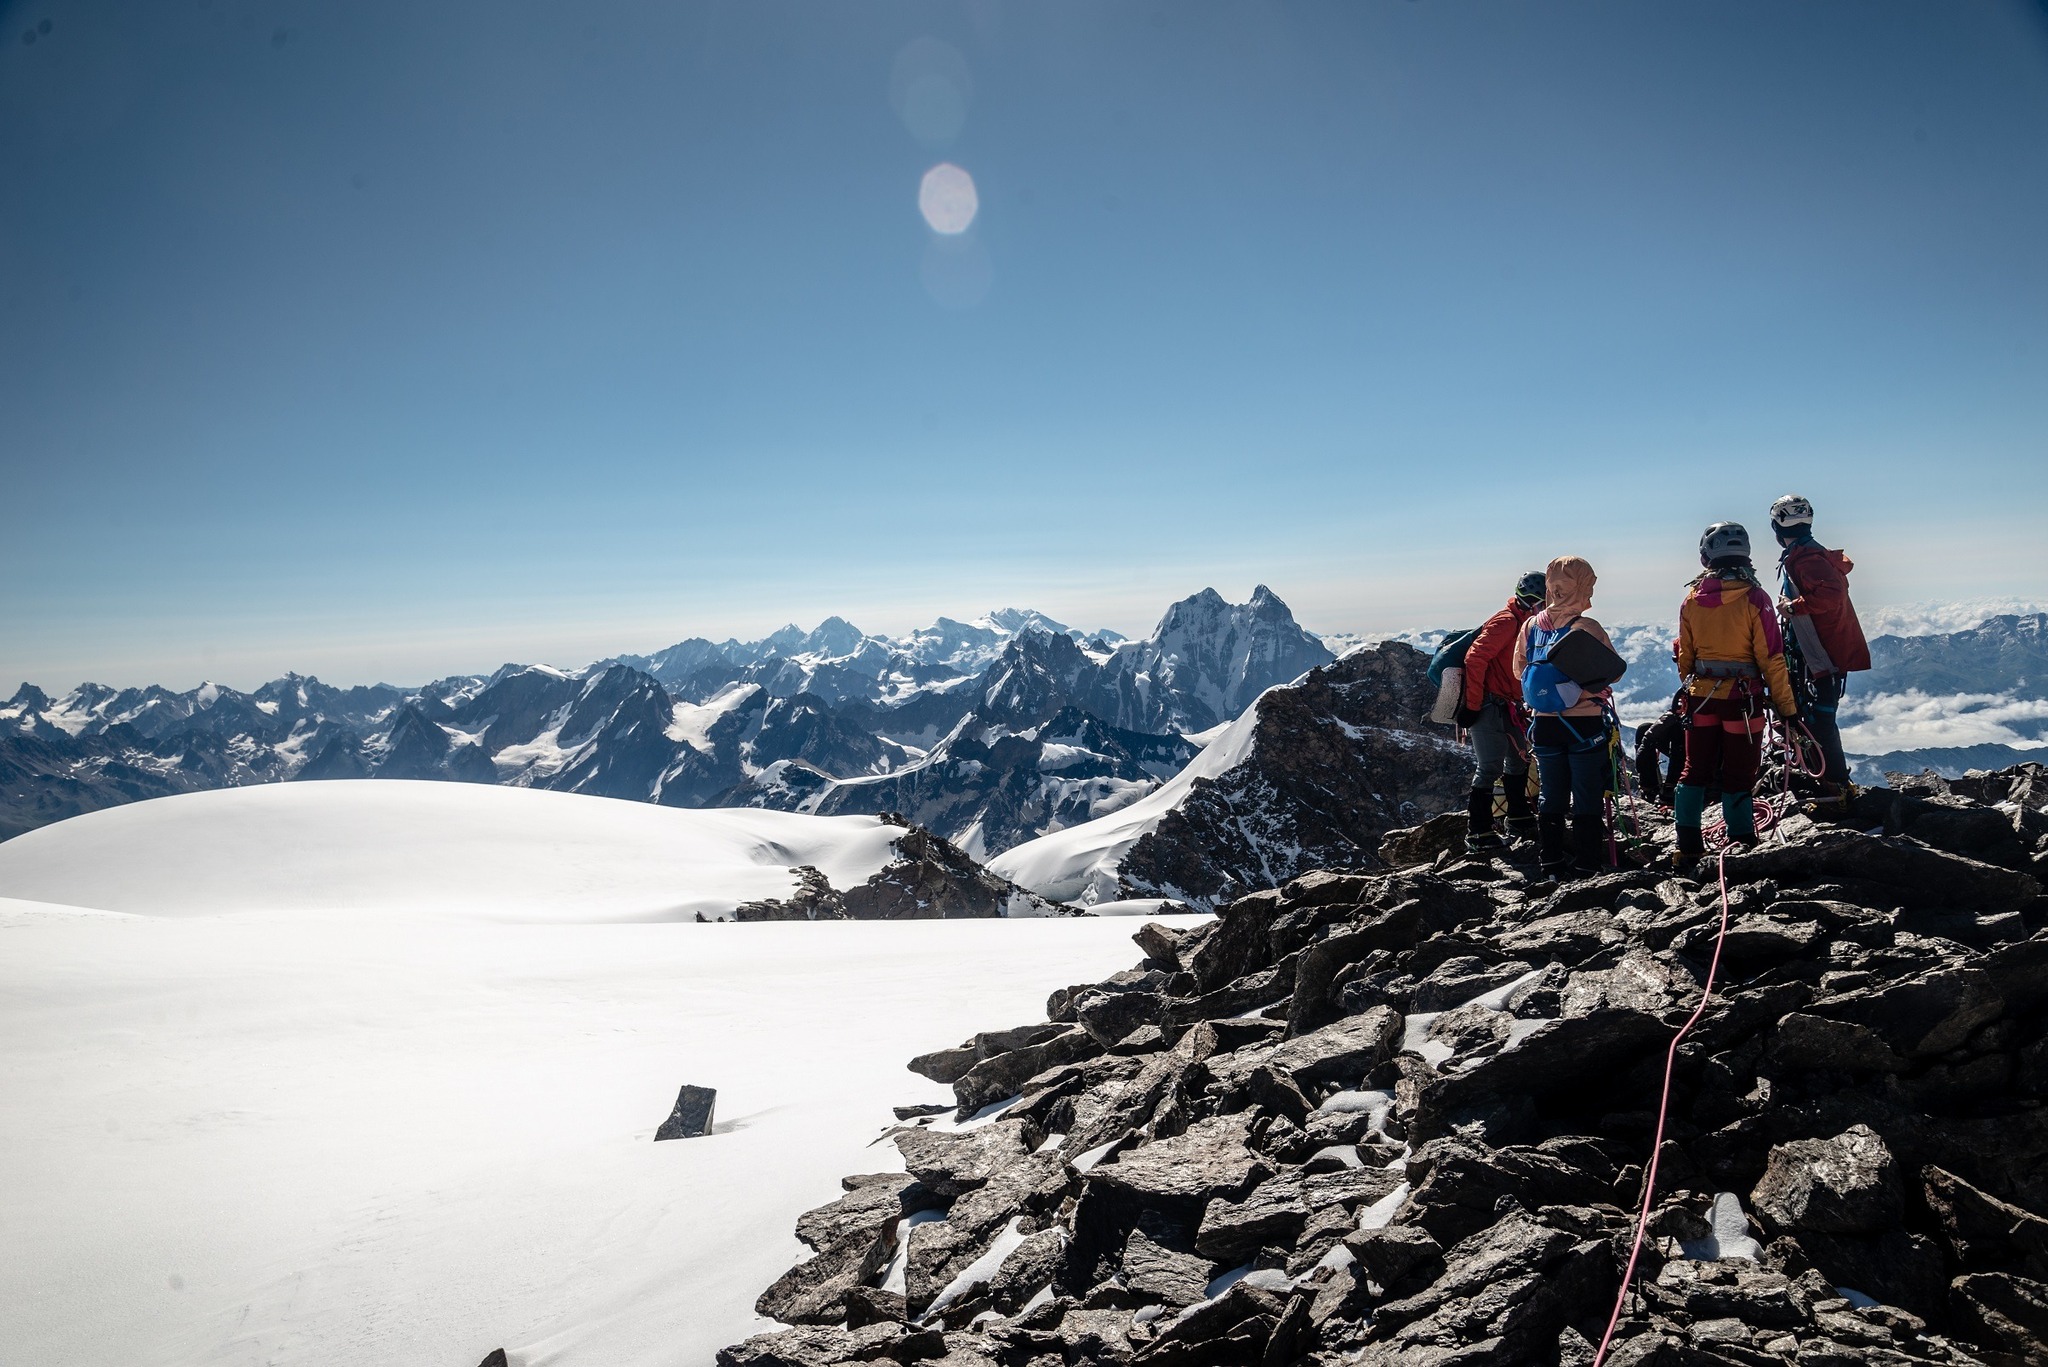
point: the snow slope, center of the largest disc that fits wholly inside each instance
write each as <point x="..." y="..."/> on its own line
<point x="1079" y="864"/>
<point x="297" y="1134"/>
<point x="450" y="848"/>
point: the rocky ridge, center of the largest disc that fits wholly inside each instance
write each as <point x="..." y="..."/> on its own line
<point x="931" y="880"/>
<point x="1402" y="1118"/>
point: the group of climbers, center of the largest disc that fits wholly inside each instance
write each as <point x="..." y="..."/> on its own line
<point x="1537" y="682"/>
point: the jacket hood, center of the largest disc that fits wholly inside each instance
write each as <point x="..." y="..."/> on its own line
<point x="1569" y="580"/>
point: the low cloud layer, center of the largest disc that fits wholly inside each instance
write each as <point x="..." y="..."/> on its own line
<point x="1922" y="721"/>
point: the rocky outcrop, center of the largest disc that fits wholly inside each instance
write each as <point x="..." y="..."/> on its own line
<point x="1340" y="758"/>
<point x="1401" y="1118"/>
<point x="932" y="880"/>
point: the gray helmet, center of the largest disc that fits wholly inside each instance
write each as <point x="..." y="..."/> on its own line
<point x="1723" y="539"/>
<point x="1532" y="587"/>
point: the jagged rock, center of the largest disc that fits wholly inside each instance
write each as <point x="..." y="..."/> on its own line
<point x="1905" y="1023"/>
<point x="814" y="1347"/>
<point x="814" y="1292"/>
<point x="1342" y="1052"/>
<point x="1511" y="1287"/>
<point x="939" y="1249"/>
<point x="1845" y="1185"/>
<point x="495" y="1358"/>
<point x="951" y="1164"/>
<point x="1412" y="845"/>
<point x="1982" y="1231"/>
<point x="872" y="1203"/>
<point x="1005" y="1074"/>
<point x="1154" y="1272"/>
<point x="2008" y="1312"/>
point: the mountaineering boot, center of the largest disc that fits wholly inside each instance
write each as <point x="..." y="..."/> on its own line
<point x="1688" y="807"/>
<point x="1480" y="836"/>
<point x="1692" y="847"/>
<point x="1521" y="821"/>
<point x="1589" y="846"/>
<point x="1556" y="861"/>
<point x="1738" y="814"/>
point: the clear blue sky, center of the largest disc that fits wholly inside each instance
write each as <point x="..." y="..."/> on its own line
<point x="397" y="339"/>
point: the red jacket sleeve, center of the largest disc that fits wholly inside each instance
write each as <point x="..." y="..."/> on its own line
<point x="1494" y="642"/>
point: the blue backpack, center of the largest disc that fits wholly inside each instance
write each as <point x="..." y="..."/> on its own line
<point x="1545" y="687"/>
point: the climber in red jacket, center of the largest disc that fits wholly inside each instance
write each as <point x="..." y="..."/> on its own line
<point x="1491" y="711"/>
<point x="1823" y="626"/>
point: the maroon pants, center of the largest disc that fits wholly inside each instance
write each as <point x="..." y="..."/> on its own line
<point x="1724" y="745"/>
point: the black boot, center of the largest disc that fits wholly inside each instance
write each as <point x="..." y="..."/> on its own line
<point x="1521" y="821"/>
<point x="1479" y="833"/>
<point x="1589" y="845"/>
<point x="1556" y="860"/>
<point x="1692" y="847"/>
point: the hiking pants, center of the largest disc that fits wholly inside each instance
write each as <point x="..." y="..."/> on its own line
<point x="1724" y="746"/>
<point x="1493" y="746"/>
<point x="1820" y="719"/>
<point x="1571" y="763"/>
<point x="1660" y="746"/>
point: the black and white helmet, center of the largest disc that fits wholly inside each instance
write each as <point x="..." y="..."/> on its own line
<point x="1723" y="539"/>
<point x="1792" y="511"/>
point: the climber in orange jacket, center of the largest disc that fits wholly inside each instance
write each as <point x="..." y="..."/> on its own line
<point x="1731" y="653"/>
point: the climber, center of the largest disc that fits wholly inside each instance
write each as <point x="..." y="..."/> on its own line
<point x="1570" y="726"/>
<point x="1660" y="750"/>
<point x="1731" y="654"/>
<point x="1826" y="636"/>
<point x="1491" y="711"/>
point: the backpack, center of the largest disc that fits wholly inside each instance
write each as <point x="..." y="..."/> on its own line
<point x="1451" y="653"/>
<point x="1545" y="687"/>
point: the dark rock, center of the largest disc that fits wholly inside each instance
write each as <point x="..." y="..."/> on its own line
<point x="692" y="1114"/>
<point x="495" y="1358"/>
<point x="1109" y="1016"/>
<point x="1341" y="1052"/>
<point x="1412" y="845"/>
<point x="1161" y="943"/>
<point x="1156" y="1273"/>
<point x="1845" y="1185"/>
<point x="2007" y="1312"/>
<point x="1457" y="981"/>
<point x="1177" y="1178"/>
<point x="814" y="1292"/>
<point x="952" y="1164"/>
<point x="1391" y="1254"/>
<point x="1006" y="1073"/>
<point x="1982" y="1232"/>
<point x="872" y="1204"/>
<point x="920" y="1110"/>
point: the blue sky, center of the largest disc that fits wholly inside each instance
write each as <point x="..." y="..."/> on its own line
<point x="391" y="340"/>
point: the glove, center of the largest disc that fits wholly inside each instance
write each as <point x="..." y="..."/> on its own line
<point x="1466" y="716"/>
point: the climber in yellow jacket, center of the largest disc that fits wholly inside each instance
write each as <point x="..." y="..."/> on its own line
<point x="1731" y="653"/>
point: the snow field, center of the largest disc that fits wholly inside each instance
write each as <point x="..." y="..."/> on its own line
<point x="430" y="848"/>
<point x="297" y="1134"/>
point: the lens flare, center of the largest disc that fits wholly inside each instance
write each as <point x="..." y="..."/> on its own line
<point x="947" y="200"/>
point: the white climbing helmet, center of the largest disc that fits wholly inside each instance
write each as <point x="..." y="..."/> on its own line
<point x="1792" y="511"/>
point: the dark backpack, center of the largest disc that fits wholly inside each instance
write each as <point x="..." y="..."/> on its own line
<point x="1451" y="654"/>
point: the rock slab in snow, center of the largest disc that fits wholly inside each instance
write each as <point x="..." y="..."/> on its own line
<point x="692" y="1114"/>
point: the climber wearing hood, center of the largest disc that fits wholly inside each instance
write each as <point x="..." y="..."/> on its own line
<point x="1732" y="656"/>
<point x="1491" y="711"/>
<point x="1569" y="733"/>
<point x="1826" y="634"/>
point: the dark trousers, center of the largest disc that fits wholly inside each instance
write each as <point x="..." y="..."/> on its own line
<point x="1571" y="764"/>
<point x="1820" y="719"/>
<point x="1724" y="746"/>
<point x="1660" y="746"/>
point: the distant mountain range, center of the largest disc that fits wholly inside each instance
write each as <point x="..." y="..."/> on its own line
<point x="988" y="731"/>
<point x="992" y="732"/>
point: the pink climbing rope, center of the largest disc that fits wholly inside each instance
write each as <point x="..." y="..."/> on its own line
<point x="1766" y="820"/>
<point x="1663" y="1108"/>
